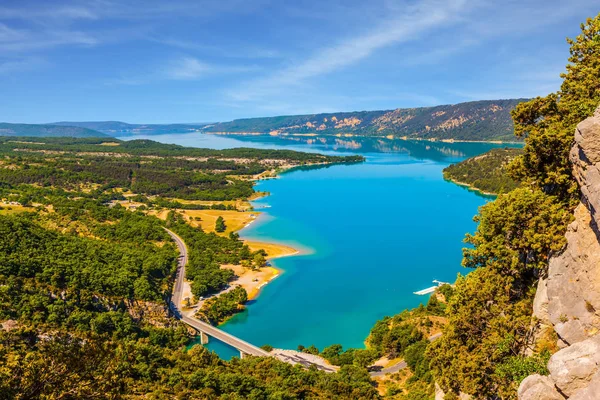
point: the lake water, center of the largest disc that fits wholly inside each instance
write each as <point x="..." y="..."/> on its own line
<point x="371" y="235"/>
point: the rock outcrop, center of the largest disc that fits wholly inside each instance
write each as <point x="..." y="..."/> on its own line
<point x="568" y="300"/>
<point x="538" y="387"/>
<point x="572" y="368"/>
<point x="585" y="156"/>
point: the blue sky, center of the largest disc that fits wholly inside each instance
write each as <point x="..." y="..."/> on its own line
<point x="201" y="61"/>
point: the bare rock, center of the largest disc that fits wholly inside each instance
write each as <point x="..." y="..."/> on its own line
<point x="9" y="325"/>
<point x="585" y="156"/>
<point x="439" y="393"/>
<point x="573" y="281"/>
<point x="538" y="387"/>
<point x="573" y="368"/>
<point x="590" y="392"/>
<point x="540" y="303"/>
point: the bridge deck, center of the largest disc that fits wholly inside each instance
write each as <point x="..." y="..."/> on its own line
<point x="208" y="329"/>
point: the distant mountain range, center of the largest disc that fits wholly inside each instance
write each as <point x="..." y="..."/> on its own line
<point x="477" y="120"/>
<point x="486" y="120"/>
<point x="118" y="128"/>
<point x="49" y="130"/>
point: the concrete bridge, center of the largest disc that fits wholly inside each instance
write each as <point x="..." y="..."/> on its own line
<point x="204" y="328"/>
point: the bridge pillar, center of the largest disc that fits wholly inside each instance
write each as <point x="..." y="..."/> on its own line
<point x="243" y="355"/>
<point x="203" y="338"/>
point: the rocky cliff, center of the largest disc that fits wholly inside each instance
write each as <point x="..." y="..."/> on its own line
<point x="568" y="299"/>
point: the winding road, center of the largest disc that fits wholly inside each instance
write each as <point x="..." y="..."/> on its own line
<point x="289" y="356"/>
<point x="401" y="365"/>
<point x="205" y="328"/>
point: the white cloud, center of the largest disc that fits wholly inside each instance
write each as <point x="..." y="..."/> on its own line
<point x="243" y="50"/>
<point x="184" y="68"/>
<point x="12" y="40"/>
<point x="32" y="13"/>
<point x="188" y="68"/>
<point x="407" y="25"/>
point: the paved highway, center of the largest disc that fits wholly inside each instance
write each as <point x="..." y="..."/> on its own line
<point x="401" y="365"/>
<point x="242" y="346"/>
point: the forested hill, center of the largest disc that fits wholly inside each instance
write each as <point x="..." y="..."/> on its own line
<point x="37" y="130"/>
<point x="486" y="120"/>
<point x="117" y="128"/>
<point x="479" y="120"/>
<point x="486" y="172"/>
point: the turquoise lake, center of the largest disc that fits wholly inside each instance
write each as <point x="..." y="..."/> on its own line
<point x="371" y="235"/>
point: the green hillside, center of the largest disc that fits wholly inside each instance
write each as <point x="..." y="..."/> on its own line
<point x="479" y="120"/>
<point x="117" y="128"/>
<point x="486" y="172"/>
<point x="36" y="130"/>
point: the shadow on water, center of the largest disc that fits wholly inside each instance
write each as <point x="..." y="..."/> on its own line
<point x="476" y="192"/>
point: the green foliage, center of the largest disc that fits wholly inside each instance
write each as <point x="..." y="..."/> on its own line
<point x="39" y="130"/>
<point x="359" y="357"/>
<point x="93" y="278"/>
<point x="220" y="224"/>
<point x="548" y="123"/>
<point x="414" y="356"/>
<point x="145" y="167"/>
<point x="90" y="367"/>
<point x="518" y="232"/>
<point x="29" y="251"/>
<point x="514" y="369"/>
<point x="486" y="172"/>
<point x="267" y="347"/>
<point x="490" y="310"/>
<point x="217" y="309"/>
<point x="391" y="338"/>
<point x="489" y="317"/>
<point x="447" y="291"/>
<point x="434" y="306"/>
<point x="207" y="252"/>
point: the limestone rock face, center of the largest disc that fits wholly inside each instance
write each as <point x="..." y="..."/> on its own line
<point x="569" y="298"/>
<point x="573" y="368"/>
<point x="573" y="282"/>
<point x="585" y="156"/>
<point x="540" y="303"/>
<point x="590" y="392"/>
<point x="538" y="387"/>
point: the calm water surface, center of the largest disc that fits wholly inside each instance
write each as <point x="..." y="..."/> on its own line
<point x="371" y="233"/>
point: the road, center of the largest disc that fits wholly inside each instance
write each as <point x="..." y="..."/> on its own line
<point x="204" y="327"/>
<point x="401" y="365"/>
<point x="288" y="356"/>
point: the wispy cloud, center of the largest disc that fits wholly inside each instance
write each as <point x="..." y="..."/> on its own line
<point x="130" y="9"/>
<point x="243" y="50"/>
<point x="21" y="65"/>
<point x="22" y="40"/>
<point x="407" y="25"/>
<point x="188" y="68"/>
<point x="184" y="68"/>
<point x="32" y="13"/>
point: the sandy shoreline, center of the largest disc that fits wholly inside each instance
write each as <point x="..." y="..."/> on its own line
<point x="259" y="279"/>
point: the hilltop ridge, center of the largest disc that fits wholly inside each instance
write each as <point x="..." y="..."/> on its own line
<point x="43" y="130"/>
<point x="484" y="120"/>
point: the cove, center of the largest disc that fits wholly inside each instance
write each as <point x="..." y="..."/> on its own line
<point x="371" y="235"/>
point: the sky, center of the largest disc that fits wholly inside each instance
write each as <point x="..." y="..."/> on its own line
<point x="158" y="61"/>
